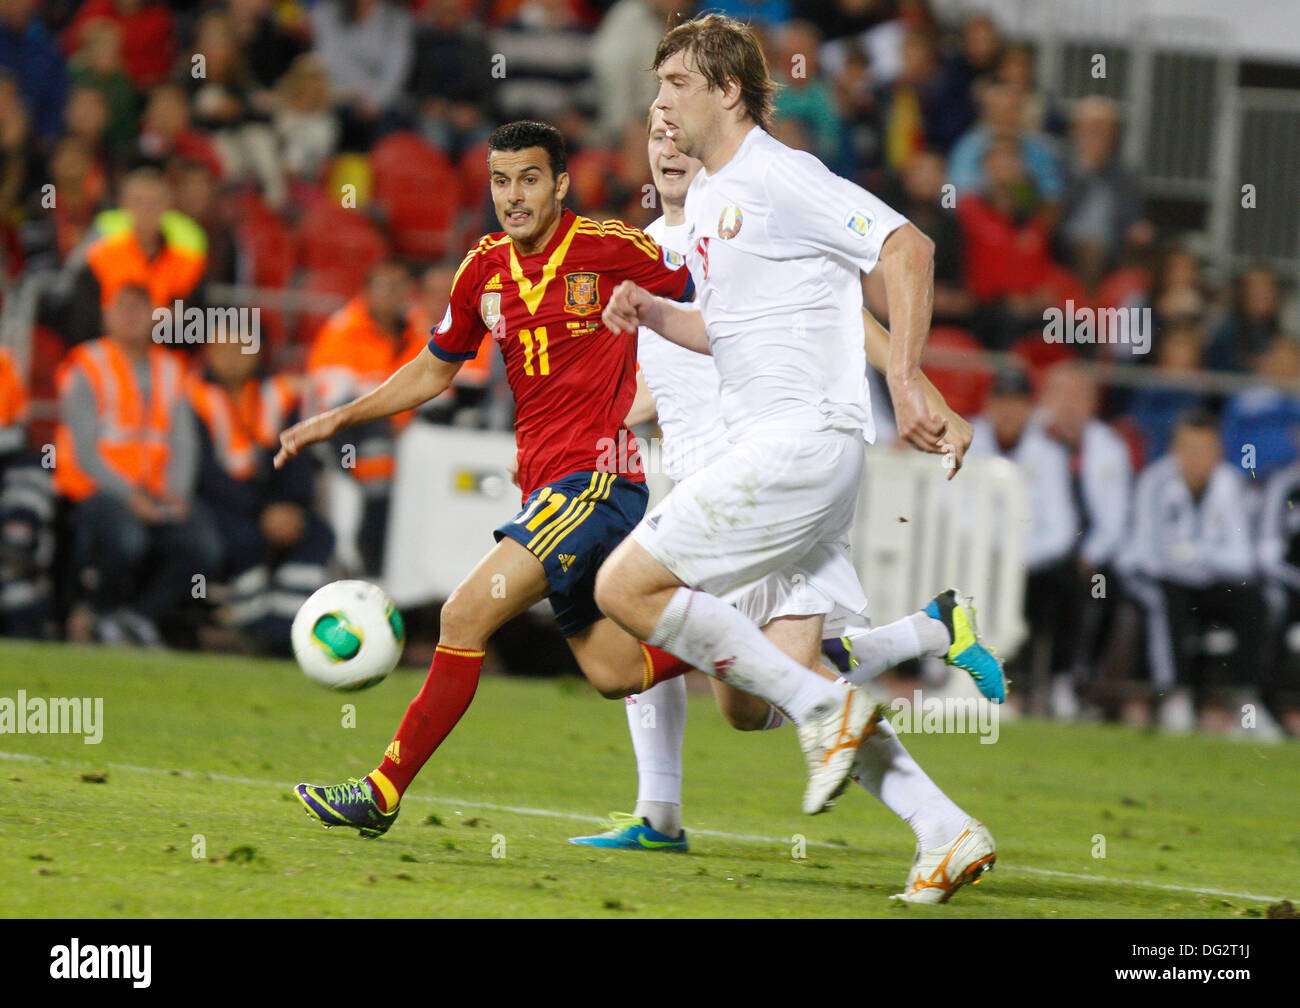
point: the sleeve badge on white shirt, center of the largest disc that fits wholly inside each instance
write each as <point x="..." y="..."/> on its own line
<point x="860" y="223"/>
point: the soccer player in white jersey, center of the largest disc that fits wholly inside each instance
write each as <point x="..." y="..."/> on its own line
<point x="681" y="388"/>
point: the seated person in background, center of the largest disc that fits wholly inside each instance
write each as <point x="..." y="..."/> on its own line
<point x="26" y="517"/>
<point x="1054" y="591"/>
<point x="1101" y="485"/>
<point x="1190" y="564"/>
<point x="273" y="547"/>
<point x="1279" y="564"/>
<point x="1260" y="422"/>
<point x="356" y="350"/>
<point x="125" y="456"/>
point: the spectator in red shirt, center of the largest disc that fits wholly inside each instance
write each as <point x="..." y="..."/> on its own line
<point x="1009" y="269"/>
<point x="148" y="39"/>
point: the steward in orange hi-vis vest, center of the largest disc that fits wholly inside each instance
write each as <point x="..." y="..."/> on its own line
<point x="353" y="353"/>
<point x="134" y="432"/>
<point x="118" y="258"/>
<point x="240" y="426"/>
<point x="356" y="350"/>
<point x="146" y="243"/>
<point x="125" y="456"/>
<point x="274" y="546"/>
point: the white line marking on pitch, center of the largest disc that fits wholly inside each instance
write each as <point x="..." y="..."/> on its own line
<point x="580" y="817"/>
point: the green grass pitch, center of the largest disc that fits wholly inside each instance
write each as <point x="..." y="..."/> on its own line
<point x="184" y="809"/>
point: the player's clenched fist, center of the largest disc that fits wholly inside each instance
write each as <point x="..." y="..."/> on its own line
<point x="321" y="427"/>
<point x="624" y="312"/>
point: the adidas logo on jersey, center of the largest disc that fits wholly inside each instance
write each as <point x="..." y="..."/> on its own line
<point x="494" y="283"/>
<point x="566" y="560"/>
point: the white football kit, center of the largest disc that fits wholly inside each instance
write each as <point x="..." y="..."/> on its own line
<point x="775" y="243"/>
<point x="684" y="385"/>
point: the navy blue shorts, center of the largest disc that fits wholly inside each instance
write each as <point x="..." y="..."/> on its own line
<point x="571" y="526"/>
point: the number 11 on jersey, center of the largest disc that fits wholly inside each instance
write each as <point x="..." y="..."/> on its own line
<point x="528" y="337"/>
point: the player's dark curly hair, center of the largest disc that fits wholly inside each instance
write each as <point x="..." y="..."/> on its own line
<point x="521" y="135"/>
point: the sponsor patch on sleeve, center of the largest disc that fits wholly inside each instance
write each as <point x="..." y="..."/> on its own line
<point x="860" y="223"/>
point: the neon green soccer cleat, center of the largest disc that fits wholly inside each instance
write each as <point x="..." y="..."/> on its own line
<point x="967" y="652"/>
<point x="351" y="803"/>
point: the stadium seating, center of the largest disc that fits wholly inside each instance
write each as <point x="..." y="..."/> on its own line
<point x="962" y="385"/>
<point x="418" y="192"/>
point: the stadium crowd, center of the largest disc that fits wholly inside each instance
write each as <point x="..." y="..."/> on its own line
<point x="328" y="157"/>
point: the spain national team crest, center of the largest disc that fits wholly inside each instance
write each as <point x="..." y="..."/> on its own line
<point x="730" y="221"/>
<point x="489" y="307"/>
<point x="581" y="295"/>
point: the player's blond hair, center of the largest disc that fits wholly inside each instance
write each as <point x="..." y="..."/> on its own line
<point x="724" y="49"/>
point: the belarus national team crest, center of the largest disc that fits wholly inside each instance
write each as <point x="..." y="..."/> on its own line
<point x="489" y="307"/>
<point x="730" y="221"/>
<point x="581" y="296"/>
<point x="860" y="223"/>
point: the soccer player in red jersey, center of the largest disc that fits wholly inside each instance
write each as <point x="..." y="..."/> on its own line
<point x="539" y="287"/>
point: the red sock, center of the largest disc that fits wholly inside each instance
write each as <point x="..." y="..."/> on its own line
<point x="447" y="692"/>
<point x="660" y="666"/>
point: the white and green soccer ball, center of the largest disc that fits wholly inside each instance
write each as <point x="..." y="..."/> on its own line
<point x="348" y="635"/>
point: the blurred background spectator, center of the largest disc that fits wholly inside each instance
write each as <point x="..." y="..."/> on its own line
<point x="29" y="53"/>
<point x="366" y="47"/>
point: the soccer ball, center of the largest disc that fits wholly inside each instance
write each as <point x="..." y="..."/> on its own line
<point x="348" y="635"/>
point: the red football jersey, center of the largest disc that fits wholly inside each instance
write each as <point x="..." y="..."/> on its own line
<point x="573" y="380"/>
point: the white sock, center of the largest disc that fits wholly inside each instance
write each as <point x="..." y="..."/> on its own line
<point x="888" y="771"/>
<point x="775" y="719"/>
<point x="716" y="639"/>
<point x="914" y="636"/>
<point x="656" y="720"/>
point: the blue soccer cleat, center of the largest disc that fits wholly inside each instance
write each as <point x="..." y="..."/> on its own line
<point x="967" y="652"/>
<point x="630" y="832"/>
<point x="351" y="803"/>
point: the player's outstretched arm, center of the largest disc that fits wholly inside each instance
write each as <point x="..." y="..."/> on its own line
<point x="631" y="306"/>
<point x="907" y="258"/>
<point x="957" y="433"/>
<point x="406" y="388"/>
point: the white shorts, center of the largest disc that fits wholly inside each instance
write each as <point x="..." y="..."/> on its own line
<point x="766" y="528"/>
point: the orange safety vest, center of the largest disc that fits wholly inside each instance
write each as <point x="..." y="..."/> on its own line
<point x="353" y="355"/>
<point x="475" y="372"/>
<point x="118" y="260"/>
<point x="239" y="426"/>
<point x="13" y="396"/>
<point x="133" y="433"/>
